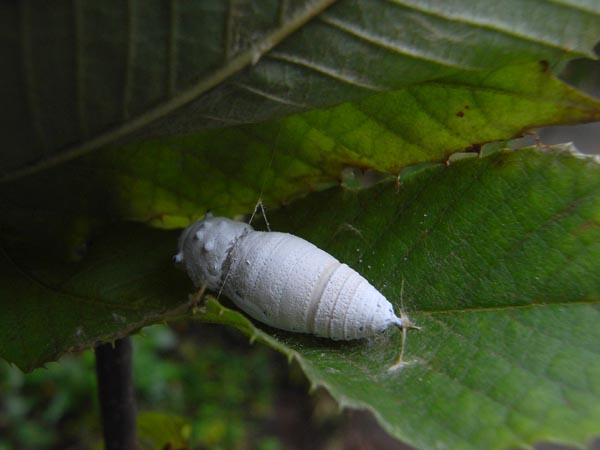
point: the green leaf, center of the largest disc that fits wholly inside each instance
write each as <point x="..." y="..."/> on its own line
<point x="88" y="74"/>
<point x="499" y="259"/>
<point x="170" y="181"/>
<point x="498" y="256"/>
<point x="49" y="308"/>
<point x="158" y="431"/>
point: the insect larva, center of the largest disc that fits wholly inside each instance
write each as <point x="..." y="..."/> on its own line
<point x="283" y="280"/>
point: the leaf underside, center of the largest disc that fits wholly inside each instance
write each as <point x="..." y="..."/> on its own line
<point x="90" y="74"/>
<point x="169" y="182"/>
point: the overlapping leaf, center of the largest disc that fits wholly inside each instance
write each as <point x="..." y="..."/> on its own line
<point x="169" y="181"/>
<point x="87" y="74"/>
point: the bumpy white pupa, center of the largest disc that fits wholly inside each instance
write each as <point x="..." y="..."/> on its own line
<point x="283" y="281"/>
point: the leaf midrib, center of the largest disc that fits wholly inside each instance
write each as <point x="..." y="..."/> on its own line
<point x="487" y="309"/>
<point x="239" y="62"/>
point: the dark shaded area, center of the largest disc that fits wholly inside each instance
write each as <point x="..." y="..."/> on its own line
<point x="115" y="392"/>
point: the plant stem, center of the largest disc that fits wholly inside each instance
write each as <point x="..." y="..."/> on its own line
<point x="115" y="391"/>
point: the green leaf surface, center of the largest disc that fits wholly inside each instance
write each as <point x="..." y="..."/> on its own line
<point x="87" y="74"/>
<point x="158" y="431"/>
<point x="48" y="308"/>
<point x="170" y="181"/>
<point x="498" y="256"/>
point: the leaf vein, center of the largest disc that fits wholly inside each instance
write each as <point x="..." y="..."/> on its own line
<point x="269" y="96"/>
<point x="33" y="103"/>
<point x="172" y="48"/>
<point x="130" y="24"/>
<point x="395" y="47"/>
<point x="330" y="72"/>
<point x="489" y="23"/>
<point x="80" y="92"/>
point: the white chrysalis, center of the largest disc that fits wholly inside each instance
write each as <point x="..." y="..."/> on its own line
<point x="283" y="280"/>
